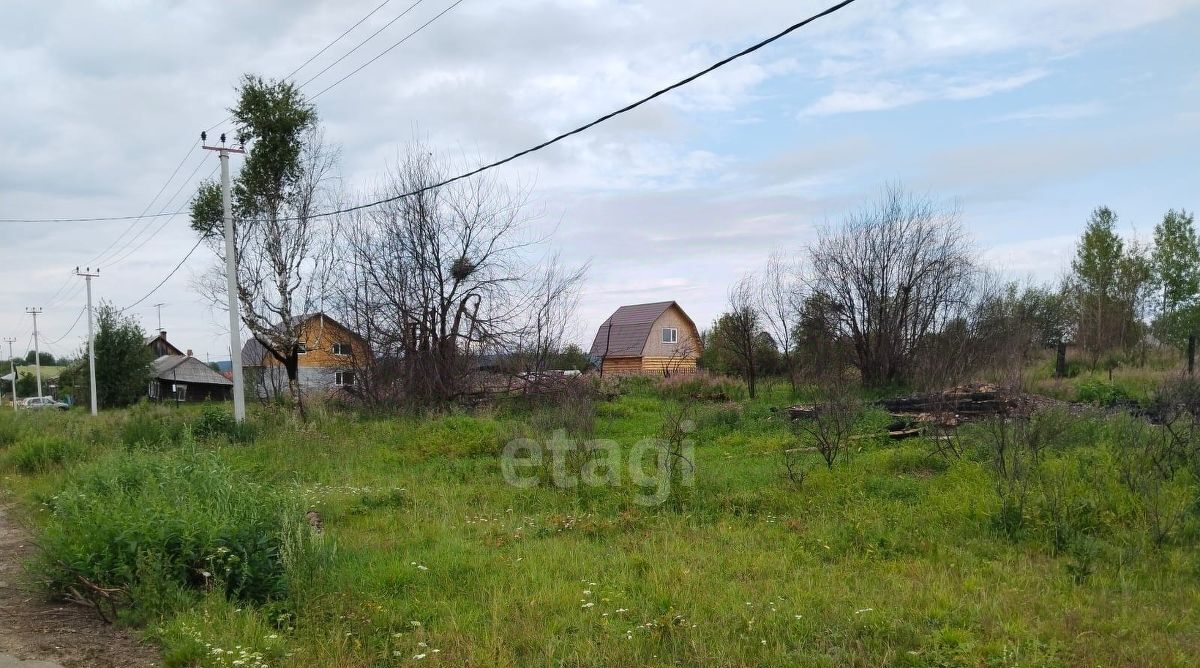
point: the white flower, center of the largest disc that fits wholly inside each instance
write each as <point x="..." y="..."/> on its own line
<point x="859" y="612"/>
<point x="418" y="657"/>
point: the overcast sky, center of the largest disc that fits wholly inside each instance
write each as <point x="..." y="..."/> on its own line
<point x="1027" y="113"/>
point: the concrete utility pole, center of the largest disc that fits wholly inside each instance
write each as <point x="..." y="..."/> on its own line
<point x="158" y="309"/>
<point x="88" y="276"/>
<point x="12" y="367"/>
<point x="37" y="351"/>
<point x="235" y="335"/>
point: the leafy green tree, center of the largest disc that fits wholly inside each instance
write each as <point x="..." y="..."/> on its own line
<point x="283" y="258"/>
<point x="1095" y="274"/>
<point x="122" y="361"/>
<point x="1176" y="273"/>
<point x="46" y="358"/>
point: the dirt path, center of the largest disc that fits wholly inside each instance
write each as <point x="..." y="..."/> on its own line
<point x="33" y="632"/>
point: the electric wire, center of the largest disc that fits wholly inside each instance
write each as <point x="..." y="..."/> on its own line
<point x="385" y="51"/>
<point x="114" y="261"/>
<point x="362" y="43"/>
<point x="70" y="329"/>
<point x="167" y="277"/>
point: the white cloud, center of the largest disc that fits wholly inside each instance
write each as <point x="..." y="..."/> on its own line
<point x="879" y="96"/>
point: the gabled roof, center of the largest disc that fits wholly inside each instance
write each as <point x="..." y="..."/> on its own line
<point x="625" y="332"/>
<point x="254" y="352"/>
<point x="185" y="369"/>
<point x="163" y="337"/>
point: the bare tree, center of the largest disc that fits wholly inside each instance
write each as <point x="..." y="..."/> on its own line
<point x="781" y="302"/>
<point x="894" y="272"/>
<point x="446" y="274"/>
<point x="737" y="330"/>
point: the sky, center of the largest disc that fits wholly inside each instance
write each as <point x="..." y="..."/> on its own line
<point x="1024" y="115"/>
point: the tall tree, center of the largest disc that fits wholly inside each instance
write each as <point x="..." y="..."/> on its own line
<point x="284" y="255"/>
<point x="781" y="300"/>
<point x="1176" y="266"/>
<point x="1095" y="273"/>
<point x="895" y="272"/>
<point x="122" y="362"/>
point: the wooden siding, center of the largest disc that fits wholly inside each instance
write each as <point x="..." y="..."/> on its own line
<point x="658" y="365"/>
<point x="654" y="366"/>
<point x="688" y="340"/>
<point x="617" y="366"/>
<point x="319" y="336"/>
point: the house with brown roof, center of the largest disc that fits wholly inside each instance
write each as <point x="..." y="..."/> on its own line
<point x="658" y="338"/>
<point x="330" y="356"/>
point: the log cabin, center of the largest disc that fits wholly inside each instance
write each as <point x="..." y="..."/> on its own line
<point x="657" y="338"/>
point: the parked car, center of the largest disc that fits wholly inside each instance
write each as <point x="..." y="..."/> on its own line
<point x="42" y="403"/>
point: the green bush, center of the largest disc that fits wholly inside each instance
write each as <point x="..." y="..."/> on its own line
<point x="156" y="525"/>
<point x="40" y="454"/>
<point x="702" y="386"/>
<point x="1101" y="393"/>
<point x="216" y="421"/>
<point x="149" y="427"/>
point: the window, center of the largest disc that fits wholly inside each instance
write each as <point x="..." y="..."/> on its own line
<point x="342" y="349"/>
<point x="670" y="335"/>
<point x="343" y="378"/>
<point x="301" y="348"/>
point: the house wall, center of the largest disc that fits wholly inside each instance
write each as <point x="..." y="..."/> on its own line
<point x="617" y="366"/>
<point x="319" y="335"/>
<point x="686" y="346"/>
<point x="663" y="365"/>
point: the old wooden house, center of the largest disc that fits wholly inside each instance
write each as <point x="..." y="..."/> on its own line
<point x="656" y="338"/>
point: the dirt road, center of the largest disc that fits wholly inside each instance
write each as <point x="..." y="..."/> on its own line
<point x="38" y="634"/>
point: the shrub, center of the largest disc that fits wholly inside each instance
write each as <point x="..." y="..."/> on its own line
<point x="148" y="427"/>
<point x="1101" y="393"/>
<point x="39" y="454"/>
<point x="153" y="525"/>
<point x="216" y="421"/>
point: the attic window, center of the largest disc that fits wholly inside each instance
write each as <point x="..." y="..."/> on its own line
<point x="670" y="335"/>
<point x="341" y="349"/>
<point x="301" y="348"/>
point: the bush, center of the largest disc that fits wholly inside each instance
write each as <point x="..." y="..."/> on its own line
<point x="154" y="526"/>
<point x="149" y="427"/>
<point x="216" y="421"/>
<point x="39" y="454"/>
<point x="1101" y="393"/>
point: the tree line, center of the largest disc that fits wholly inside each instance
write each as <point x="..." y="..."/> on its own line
<point x="895" y="294"/>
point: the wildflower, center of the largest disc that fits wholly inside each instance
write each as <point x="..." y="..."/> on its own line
<point x="587" y="605"/>
<point x="859" y="612"/>
<point x="418" y="657"/>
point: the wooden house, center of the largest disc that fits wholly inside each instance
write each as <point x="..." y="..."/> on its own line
<point x="184" y="378"/>
<point x="657" y="338"/>
<point x="330" y="356"/>
<point x="160" y="346"/>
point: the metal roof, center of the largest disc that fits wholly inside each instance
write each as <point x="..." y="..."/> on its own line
<point x="625" y="332"/>
<point x="184" y="369"/>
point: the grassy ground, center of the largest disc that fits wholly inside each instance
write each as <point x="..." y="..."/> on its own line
<point x="892" y="557"/>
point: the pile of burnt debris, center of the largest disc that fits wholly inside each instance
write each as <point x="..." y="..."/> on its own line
<point x="912" y="415"/>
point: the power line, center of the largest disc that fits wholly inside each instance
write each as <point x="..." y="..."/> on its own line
<point x="115" y="260"/>
<point x="145" y="210"/>
<point x="362" y="43"/>
<point x="337" y="39"/>
<point x="627" y="108"/>
<point x="583" y="128"/>
<point x="167" y="277"/>
<point x="69" y="330"/>
<point x="385" y="51"/>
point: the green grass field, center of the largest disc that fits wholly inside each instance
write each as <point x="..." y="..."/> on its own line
<point x="895" y="556"/>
